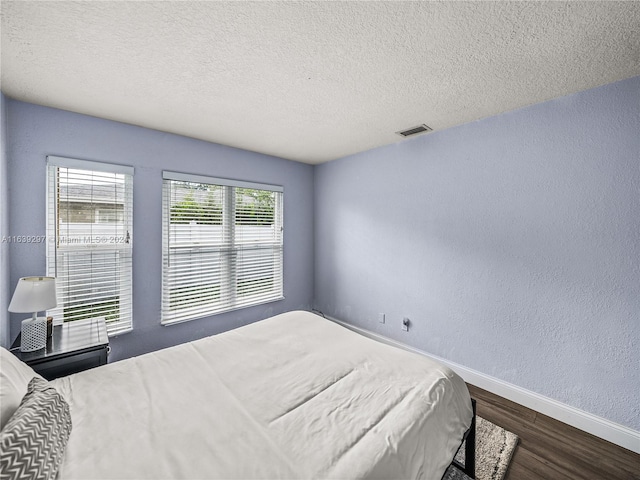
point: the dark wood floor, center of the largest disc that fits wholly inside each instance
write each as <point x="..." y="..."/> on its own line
<point x="549" y="449"/>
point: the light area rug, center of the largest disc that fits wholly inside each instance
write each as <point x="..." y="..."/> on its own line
<point x="494" y="449"/>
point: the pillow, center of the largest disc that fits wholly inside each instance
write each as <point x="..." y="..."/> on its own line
<point x="32" y="442"/>
<point x="15" y="375"/>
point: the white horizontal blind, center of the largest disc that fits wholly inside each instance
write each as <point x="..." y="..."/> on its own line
<point x="222" y="246"/>
<point x="89" y="248"/>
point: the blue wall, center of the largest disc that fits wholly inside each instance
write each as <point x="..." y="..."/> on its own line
<point x="35" y="132"/>
<point x="4" y="228"/>
<point x="512" y="244"/>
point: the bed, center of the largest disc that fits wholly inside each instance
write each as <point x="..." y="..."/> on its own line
<point x="292" y="396"/>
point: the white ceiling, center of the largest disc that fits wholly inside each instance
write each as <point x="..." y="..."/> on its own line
<point x="310" y="81"/>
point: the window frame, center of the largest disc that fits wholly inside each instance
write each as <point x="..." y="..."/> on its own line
<point x="229" y="288"/>
<point x="122" y="251"/>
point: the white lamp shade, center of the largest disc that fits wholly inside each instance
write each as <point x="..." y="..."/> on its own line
<point x="34" y="294"/>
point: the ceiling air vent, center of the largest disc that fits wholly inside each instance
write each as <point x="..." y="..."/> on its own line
<point x="415" y="130"/>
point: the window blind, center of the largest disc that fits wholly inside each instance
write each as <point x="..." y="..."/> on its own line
<point x="89" y="240"/>
<point x="222" y="246"/>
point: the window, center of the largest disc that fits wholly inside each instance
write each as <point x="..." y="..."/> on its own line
<point x="89" y="230"/>
<point x="222" y="246"/>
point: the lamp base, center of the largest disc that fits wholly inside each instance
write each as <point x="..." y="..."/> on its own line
<point x="34" y="334"/>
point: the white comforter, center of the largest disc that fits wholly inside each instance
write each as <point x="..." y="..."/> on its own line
<point x="293" y="396"/>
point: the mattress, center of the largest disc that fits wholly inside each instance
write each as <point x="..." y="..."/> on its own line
<point x="292" y="396"/>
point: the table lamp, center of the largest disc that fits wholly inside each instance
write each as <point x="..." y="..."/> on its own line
<point x="33" y="295"/>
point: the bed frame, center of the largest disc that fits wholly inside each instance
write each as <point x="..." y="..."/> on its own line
<point x="469" y="466"/>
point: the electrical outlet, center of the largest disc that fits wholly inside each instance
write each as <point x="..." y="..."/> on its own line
<point x="381" y="317"/>
<point x="405" y="324"/>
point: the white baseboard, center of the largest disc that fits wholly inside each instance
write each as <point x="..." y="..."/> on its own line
<point x="598" y="426"/>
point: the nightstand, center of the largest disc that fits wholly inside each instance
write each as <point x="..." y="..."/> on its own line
<point x="73" y="347"/>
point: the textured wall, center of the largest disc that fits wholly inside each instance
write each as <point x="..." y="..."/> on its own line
<point x="512" y="244"/>
<point x="5" y="289"/>
<point x="35" y="132"/>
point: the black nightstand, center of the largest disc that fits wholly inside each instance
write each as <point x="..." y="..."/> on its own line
<point x="73" y="347"/>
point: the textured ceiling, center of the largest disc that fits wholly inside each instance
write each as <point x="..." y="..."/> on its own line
<point x="310" y="81"/>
